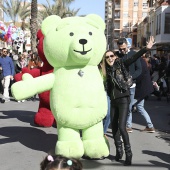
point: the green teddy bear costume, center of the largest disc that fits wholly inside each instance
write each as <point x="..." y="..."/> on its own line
<point x="74" y="47"/>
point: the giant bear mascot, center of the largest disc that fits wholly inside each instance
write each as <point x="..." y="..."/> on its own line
<point x="74" y="46"/>
<point x="44" y="116"/>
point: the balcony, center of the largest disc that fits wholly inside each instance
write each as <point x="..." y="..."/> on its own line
<point x="116" y="26"/>
<point x="117" y="16"/>
<point x="117" y="6"/>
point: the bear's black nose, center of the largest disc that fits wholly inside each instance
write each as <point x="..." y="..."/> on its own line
<point x="82" y="41"/>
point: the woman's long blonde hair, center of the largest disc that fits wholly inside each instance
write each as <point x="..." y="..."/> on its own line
<point x="103" y="62"/>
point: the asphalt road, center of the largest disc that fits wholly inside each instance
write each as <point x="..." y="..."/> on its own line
<point x="23" y="145"/>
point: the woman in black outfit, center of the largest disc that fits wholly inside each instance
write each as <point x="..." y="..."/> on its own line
<point x="118" y="90"/>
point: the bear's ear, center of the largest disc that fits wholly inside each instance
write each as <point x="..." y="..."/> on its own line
<point x="96" y="21"/>
<point x="49" y="23"/>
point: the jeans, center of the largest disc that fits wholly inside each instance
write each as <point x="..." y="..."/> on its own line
<point x="106" y="120"/>
<point x="132" y="101"/>
<point x="142" y="111"/>
<point x="5" y="84"/>
<point x="118" y="116"/>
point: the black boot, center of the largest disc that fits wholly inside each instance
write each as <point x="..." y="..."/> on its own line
<point x="128" y="160"/>
<point x="119" y="150"/>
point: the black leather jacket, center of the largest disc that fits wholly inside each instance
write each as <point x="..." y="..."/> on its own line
<point x="115" y="88"/>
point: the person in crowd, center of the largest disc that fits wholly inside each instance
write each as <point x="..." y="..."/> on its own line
<point x="29" y="55"/>
<point x="154" y="62"/>
<point x="106" y="120"/>
<point x="118" y="90"/>
<point x="162" y="75"/>
<point x="168" y="72"/>
<point x="21" y="63"/>
<point x="144" y="87"/>
<point x="147" y="58"/>
<point x="7" y="67"/>
<point x="11" y="54"/>
<point x="15" y="60"/>
<point x="135" y="70"/>
<point x="58" y="162"/>
<point x="34" y="62"/>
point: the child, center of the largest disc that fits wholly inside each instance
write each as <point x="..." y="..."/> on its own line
<point x="60" y="162"/>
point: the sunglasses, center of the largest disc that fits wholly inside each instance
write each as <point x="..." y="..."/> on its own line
<point x="4" y="51"/>
<point x="109" y="56"/>
<point x="122" y="49"/>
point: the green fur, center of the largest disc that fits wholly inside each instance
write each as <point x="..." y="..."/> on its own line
<point x="77" y="98"/>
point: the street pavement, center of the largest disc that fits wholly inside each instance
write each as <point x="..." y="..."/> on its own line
<point x="24" y="145"/>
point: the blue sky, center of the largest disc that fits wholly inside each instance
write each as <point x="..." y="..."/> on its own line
<point x="87" y="6"/>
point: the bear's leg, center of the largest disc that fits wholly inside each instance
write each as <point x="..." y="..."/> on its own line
<point x="95" y="145"/>
<point x="44" y="117"/>
<point x="69" y="143"/>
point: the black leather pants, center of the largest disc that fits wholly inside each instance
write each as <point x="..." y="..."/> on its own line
<point x="119" y="111"/>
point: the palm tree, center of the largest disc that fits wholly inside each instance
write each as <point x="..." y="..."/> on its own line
<point x="33" y="25"/>
<point x="59" y="7"/>
<point x="25" y="13"/>
<point x="15" y="9"/>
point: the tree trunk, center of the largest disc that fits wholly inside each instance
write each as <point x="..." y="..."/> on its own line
<point x="33" y="25"/>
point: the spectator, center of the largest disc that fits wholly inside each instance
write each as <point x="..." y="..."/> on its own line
<point x="29" y="55"/>
<point x="135" y="70"/>
<point x="144" y="87"/>
<point x="34" y="62"/>
<point x="21" y="63"/>
<point x="155" y="62"/>
<point x="8" y="72"/>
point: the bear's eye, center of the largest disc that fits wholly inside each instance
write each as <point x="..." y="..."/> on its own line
<point x="71" y="33"/>
<point x="90" y="33"/>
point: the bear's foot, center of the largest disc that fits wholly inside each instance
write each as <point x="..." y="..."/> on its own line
<point x="72" y="149"/>
<point x="43" y="119"/>
<point x="96" y="148"/>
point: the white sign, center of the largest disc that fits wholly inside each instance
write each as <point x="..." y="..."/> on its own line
<point x="129" y="42"/>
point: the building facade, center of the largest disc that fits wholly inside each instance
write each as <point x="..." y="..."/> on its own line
<point x="157" y="24"/>
<point x="126" y="14"/>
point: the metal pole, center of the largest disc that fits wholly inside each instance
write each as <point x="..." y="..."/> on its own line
<point x="107" y="34"/>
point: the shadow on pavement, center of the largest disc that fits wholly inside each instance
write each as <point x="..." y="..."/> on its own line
<point x="163" y="156"/>
<point x="32" y="138"/>
<point x="89" y="164"/>
<point x="22" y="115"/>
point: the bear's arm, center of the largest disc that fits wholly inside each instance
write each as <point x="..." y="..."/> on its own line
<point x="31" y="86"/>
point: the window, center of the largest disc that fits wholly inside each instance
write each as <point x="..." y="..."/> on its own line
<point x="126" y="4"/>
<point x="135" y="14"/>
<point x="144" y="14"/>
<point x="158" y="24"/>
<point x="125" y="24"/>
<point x="145" y="5"/>
<point x="151" y="2"/>
<point x="125" y="14"/>
<point x="167" y="23"/>
<point x="135" y="4"/>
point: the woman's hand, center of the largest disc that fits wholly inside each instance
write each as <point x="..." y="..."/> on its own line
<point x="150" y="43"/>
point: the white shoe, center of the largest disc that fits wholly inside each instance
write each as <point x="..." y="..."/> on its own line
<point x="22" y="100"/>
<point x="19" y="101"/>
<point x="7" y="100"/>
